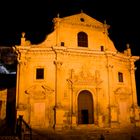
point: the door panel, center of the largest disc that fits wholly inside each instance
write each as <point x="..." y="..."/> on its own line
<point x="39" y="113"/>
<point x="84" y="116"/>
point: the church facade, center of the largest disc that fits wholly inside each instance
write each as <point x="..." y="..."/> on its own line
<point x="76" y="77"/>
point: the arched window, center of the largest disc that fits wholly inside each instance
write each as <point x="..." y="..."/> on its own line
<point x="82" y="39"/>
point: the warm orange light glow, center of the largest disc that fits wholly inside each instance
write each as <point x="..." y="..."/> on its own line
<point x="51" y="96"/>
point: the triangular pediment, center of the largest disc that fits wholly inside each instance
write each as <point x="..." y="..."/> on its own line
<point x="82" y="19"/>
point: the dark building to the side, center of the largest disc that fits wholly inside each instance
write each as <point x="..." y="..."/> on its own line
<point x="7" y="90"/>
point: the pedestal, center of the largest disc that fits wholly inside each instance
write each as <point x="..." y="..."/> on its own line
<point x="59" y="118"/>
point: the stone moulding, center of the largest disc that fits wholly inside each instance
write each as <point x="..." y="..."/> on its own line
<point x="39" y="91"/>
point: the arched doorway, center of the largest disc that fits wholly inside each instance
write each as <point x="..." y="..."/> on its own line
<point x="85" y="108"/>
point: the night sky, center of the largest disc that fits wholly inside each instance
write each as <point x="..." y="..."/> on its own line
<point x="35" y="18"/>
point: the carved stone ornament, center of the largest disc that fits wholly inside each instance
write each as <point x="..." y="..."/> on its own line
<point x="58" y="64"/>
<point x="84" y="77"/>
<point x="39" y="91"/>
<point x="123" y="93"/>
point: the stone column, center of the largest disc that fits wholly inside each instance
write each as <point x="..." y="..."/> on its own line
<point x="97" y="87"/>
<point x="135" y="113"/>
<point x="133" y="83"/>
<point x="110" y="88"/>
<point x="21" y="101"/>
<point x="58" y="93"/>
<point x="20" y="94"/>
<point x="21" y="52"/>
<point x="58" y="111"/>
<point x="71" y="100"/>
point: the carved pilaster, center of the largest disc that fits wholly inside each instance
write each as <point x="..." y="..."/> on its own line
<point x="58" y="64"/>
<point x="109" y="66"/>
<point x="58" y="89"/>
<point x="110" y="87"/>
<point x="133" y="82"/>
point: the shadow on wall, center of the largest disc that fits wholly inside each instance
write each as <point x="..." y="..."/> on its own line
<point x="8" y="123"/>
<point x="137" y="74"/>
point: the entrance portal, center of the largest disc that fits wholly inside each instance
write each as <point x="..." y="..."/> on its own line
<point x="85" y="108"/>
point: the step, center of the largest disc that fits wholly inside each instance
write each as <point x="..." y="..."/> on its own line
<point x="9" y="138"/>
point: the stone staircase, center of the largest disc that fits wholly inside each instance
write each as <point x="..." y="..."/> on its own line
<point x="9" y="138"/>
<point x="87" y="134"/>
<point x="78" y="135"/>
<point x="81" y="132"/>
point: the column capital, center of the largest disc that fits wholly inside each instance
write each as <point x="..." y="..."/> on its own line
<point x="133" y="69"/>
<point x="58" y="63"/>
<point x="109" y="66"/>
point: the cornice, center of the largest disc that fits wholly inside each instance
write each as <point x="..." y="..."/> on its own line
<point x="75" y="51"/>
<point x="86" y="25"/>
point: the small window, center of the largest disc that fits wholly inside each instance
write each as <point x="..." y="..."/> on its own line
<point x="62" y="44"/>
<point x="120" y="77"/>
<point x="102" y="48"/>
<point x="39" y="73"/>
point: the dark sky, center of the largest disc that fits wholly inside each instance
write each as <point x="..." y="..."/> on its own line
<point x="35" y="18"/>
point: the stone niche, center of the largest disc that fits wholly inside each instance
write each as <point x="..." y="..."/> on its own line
<point x="122" y="96"/>
<point x="39" y="109"/>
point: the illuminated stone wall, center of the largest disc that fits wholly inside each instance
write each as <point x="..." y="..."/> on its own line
<point x="3" y="99"/>
<point x="55" y="97"/>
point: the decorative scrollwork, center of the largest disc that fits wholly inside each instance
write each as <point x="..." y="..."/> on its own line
<point x="39" y="91"/>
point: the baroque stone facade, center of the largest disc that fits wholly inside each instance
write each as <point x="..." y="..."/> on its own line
<point x="76" y="77"/>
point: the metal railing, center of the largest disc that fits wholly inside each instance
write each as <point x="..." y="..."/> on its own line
<point x="23" y="130"/>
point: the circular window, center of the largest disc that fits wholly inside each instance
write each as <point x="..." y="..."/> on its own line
<point x="82" y="19"/>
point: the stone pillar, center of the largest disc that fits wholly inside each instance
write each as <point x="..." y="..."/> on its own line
<point x="21" y="67"/>
<point x="59" y="118"/>
<point x="58" y="93"/>
<point x="20" y="94"/>
<point x="133" y="83"/>
<point x="110" y="90"/>
<point x="71" y="100"/>
<point x="21" y="100"/>
<point x="58" y="108"/>
<point x="114" y="116"/>
<point x="135" y="113"/>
